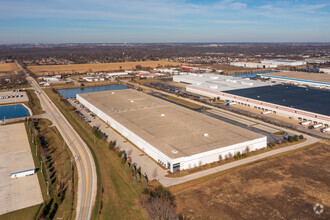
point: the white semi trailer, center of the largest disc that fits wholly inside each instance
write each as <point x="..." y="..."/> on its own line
<point x="305" y="122"/>
<point x="316" y="126"/>
<point x="325" y="129"/>
<point x="23" y="173"/>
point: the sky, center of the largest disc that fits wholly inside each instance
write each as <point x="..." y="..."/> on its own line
<point x="157" y="21"/>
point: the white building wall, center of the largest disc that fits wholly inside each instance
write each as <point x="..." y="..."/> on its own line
<point x="214" y="155"/>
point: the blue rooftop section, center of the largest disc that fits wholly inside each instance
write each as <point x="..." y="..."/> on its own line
<point x="307" y="99"/>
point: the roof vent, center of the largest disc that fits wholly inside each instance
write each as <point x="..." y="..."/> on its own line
<point x="162" y="115"/>
<point x="112" y="92"/>
<point x="132" y="100"/>
<point x="174" y="151"/>
<point x="206" y="134"/>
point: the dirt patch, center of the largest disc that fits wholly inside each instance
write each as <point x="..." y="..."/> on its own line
<point x="285" y="187"/>
<point x="7" y="68"/>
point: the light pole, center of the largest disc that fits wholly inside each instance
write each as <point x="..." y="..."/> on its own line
<point x="72" y="158"/>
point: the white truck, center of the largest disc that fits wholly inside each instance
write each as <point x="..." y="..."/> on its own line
<point x="316" y="126"/>
<point x="23" y="173"/>
<point x="305" y="122"/>
<point x="325" y="129"/>
<point x="266" y="112"/>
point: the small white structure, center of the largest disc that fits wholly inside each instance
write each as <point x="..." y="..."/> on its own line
<point x="285" y="62"/>
<point x="51" y="79"/>
<point x="253" y="65"/>
<point x="23" y="173"/>
<point x="117" y="74"/>
<point x="325" y="70"/>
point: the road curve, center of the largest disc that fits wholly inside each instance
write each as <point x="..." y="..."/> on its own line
<point x="87" y="179"/>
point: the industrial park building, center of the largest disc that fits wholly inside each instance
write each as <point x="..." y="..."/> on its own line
<point x="325" y="70"/>
<point x="285" y="62"/>
<point x="176" y="137"/>
<point x="212" y="85"/>
<point x="253" y="65"/>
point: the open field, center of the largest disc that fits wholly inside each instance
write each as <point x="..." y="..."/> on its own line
<point x="227" y="69"/>
<point x="280" y="187"/>
<point x="7" y="68"/>
<point x="84" y="68"/>
<point x="117" y="196"/>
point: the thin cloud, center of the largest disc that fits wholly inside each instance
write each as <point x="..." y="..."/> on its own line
<point x="233" y="22"/>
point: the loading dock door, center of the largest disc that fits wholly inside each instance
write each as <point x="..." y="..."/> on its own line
<point x="176" y="167"/>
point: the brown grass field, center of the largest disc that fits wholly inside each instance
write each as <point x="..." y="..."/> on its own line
<point x="227" y="69"/>
<point x="7" y="68"/>
<point x="282" y="187"/>
<point x="84" y="68"/>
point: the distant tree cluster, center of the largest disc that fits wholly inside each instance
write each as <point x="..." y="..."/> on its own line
<point x="85" y="53"/>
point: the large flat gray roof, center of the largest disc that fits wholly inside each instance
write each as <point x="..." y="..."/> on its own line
<point x="180" y="129"/>
<point x="219" y="83"/>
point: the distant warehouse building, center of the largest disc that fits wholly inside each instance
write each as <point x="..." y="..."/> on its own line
<point x="294" y="102"/>
<point x="285" y="62"/>
<point x="253" y="65"/>
<point x="318" y="60"/>
<point x="176" y="137"/>
<point x="325" y="70"/>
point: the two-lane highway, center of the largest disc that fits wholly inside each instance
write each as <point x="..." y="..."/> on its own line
<point x="87" y="179"/>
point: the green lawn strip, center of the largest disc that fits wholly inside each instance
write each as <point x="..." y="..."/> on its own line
<point x="34" y="103"/>
<point x="183" y="102"/>
<point x="36" y="160"/>
<point x="116" y="193"/>
<point x="62" y="165"/>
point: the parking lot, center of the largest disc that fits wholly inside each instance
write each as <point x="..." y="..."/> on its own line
<point x="15" y="156"/>
<point x="13" y="97"/>
<point x="84" y="113"/>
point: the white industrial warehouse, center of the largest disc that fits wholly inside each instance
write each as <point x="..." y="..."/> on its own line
<point x="253" y="65"/>
<point x="177" y="137"/>
<point x="212" y="85"/>
<point x="285" y="62"/>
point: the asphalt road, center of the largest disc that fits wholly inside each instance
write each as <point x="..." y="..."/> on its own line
<point x="87" y="179"/>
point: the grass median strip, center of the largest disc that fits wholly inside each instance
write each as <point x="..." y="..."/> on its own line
<point x="34" y="103"/>
<point x="117" y="196"/>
